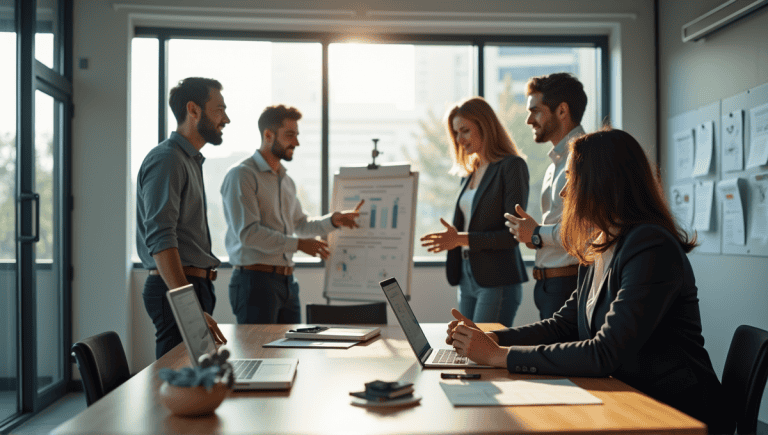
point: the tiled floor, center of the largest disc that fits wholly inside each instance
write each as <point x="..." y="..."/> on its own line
<point x="52" y="416"/>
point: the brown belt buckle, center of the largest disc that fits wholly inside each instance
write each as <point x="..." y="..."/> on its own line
<point x="212" y="274"/>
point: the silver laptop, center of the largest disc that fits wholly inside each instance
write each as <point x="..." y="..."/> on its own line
<point x="428" y="357"/>
<point x="250" y="374"/>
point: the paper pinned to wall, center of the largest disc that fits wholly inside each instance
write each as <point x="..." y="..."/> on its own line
<point x="681" y="200"/>
<point x="705" y="192"/>
<point x="733" y="212"/>
<point x="758" y="145"/>
<point x="733" y="141"/>
<point x="704" y="146"/>
<point x="760" y="206"/>
<point x="684" y="148"/>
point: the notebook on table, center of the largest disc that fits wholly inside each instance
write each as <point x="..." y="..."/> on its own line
<point x="427" y="356"/>
<point x="250" y="374"/>
<point x="330" y="332"/>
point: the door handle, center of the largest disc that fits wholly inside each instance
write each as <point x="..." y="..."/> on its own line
<point x="36" y="199"/>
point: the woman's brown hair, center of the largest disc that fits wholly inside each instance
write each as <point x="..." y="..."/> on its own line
<point x="611" y="188"/>
<point x="497" y="143"/>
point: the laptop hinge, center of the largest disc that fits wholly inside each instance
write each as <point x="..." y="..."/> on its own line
<point x="425" y="357"/>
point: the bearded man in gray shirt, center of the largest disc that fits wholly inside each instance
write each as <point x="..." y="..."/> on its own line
<point x="172" y="235"/>
<point x="263" y="218"/>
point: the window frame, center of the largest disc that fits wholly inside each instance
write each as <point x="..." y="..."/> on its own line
<point x="478" y="41"/>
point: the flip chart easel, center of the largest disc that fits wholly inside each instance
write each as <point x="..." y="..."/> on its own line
<point x="383" y="245"/>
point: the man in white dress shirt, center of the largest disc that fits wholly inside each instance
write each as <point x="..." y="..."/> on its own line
<point x="263" y="218"/>
<point x="556" y="103"/>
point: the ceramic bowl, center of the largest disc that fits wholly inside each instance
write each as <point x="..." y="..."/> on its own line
<point x="192" y="401"/>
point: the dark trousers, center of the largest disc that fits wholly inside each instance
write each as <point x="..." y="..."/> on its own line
<point x="264" y="297"/>
<point x="167" y="334"/>
<point x="550" y="295"/>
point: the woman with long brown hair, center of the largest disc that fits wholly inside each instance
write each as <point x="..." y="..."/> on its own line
<point x="635" y="312"/>
<point x="483" y="257"/>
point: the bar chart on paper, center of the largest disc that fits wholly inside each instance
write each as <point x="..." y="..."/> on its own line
<point x="382" y="247"/>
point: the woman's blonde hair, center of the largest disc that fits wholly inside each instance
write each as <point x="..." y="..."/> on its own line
<point x="497" y="143"/>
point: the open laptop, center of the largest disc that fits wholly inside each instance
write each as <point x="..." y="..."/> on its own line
<point x="250" y="374"/>
<point x="428" y="357"/>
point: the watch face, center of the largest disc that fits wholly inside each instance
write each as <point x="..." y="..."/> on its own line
<point x="536" y="240"/>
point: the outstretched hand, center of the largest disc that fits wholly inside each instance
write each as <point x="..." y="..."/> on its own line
<point x="521" y="227"/>
<point x="442" y="241"/>
<point x="347" y="218"/>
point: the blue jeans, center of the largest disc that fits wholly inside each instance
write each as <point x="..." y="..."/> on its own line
<point x="167" y="334"/>
<point x="264" y="297"/>
<point x="550" y="295"/>
<point x="487" y="304"/>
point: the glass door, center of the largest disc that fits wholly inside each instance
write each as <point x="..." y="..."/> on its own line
<point x="47" y="259"/>
<point x="9" y="381"/>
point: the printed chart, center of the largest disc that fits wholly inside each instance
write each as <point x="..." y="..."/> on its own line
<point x="383" y="245"/>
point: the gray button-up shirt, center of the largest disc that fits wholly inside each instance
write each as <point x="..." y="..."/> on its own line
<point x="171" y="209"/>
<point x="552" y="253"/>
<point x="263" y="214"/>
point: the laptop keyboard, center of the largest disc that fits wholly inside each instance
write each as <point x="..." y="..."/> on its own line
<point x="449" y="356"/>
<point x="245" y="368"/>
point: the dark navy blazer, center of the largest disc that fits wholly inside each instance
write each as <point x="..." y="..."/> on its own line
<point x="494" y="254"/>
<point x="646" y="330"/>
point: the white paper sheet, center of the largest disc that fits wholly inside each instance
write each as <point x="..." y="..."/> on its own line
<point x="758" y="144"/>
<point x="704" y="146"/>
<point x="733" y="212"/>
<point x="517" y="393"/>
<point x="705" y="192"/>
<point x="759" y="229"/>
<point x="681" y="200"/>
<point x="733" y="141"/>
<point x="684" y="147"/>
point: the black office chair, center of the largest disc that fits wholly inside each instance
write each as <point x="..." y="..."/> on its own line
<point x="367" y="314"/>
<point x="745" y="375"/>
<point x="102" y="364"/>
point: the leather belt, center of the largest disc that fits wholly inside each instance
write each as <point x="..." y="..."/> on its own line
<point x="193" y="271"/>
<point x="555" y="272"/>
<point x="280" y="270"/>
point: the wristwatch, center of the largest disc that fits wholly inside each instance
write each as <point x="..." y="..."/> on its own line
<point x="536" y="238"/>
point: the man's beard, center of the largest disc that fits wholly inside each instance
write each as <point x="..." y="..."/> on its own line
<point x="280" y="151"/>
<point x="208" y="131"/>
<point x="545" y="132"/>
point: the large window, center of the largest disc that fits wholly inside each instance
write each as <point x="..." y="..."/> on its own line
<point x="396" y="92"/>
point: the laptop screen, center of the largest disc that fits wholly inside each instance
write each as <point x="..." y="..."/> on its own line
<point x="405" y="316"/>
<point x="189" y="317"/>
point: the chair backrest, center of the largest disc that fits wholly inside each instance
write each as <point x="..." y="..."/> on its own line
<point x="102" y="364"/>
<point x="366" y="314"/>
<point x="745" y="375"/>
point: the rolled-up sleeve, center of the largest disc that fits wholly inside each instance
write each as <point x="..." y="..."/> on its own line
<point x="161" y="183"/>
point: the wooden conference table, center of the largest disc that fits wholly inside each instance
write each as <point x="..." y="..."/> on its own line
<point x="319" y="402"/>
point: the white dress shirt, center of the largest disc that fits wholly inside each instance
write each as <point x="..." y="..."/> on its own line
<point x="552" y="254"/>
<point x="264" y="215"/>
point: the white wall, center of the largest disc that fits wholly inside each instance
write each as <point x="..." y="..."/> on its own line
<point x="107" y="294"/>
<point x="732" y="289"/>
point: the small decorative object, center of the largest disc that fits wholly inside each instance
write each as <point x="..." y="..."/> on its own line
<point x="198" y="390"/>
